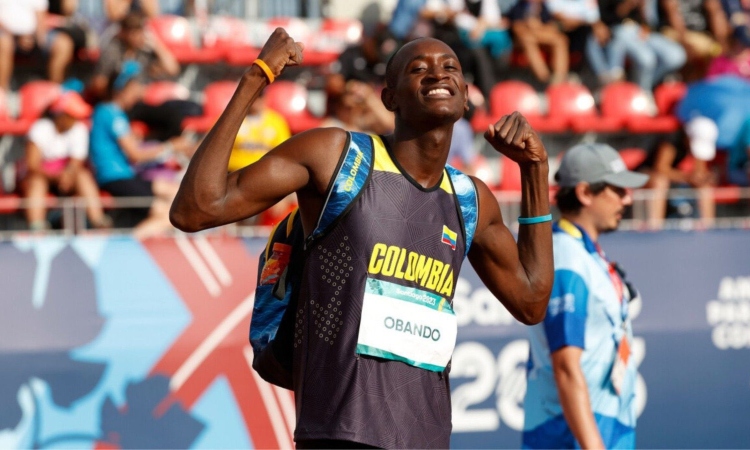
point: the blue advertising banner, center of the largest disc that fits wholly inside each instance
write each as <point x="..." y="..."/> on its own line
<point x="108" y="342"/>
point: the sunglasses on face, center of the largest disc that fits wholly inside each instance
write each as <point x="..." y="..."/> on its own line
<point x="621" y="192"/>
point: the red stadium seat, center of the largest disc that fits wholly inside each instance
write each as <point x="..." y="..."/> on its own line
<point x="315" y="54"/>
<point x="176" y="33"/>
<point x="217" y="96"/>
<point x="629" y="103"/>
<point x="335" y="35"/>
<point x="667" y="95"/>
<point x="343" y="31"/>
<point x="159" y="92"/>
<point x="633" y="157"/>
<point x="290" y="100"/>
<point x="509" y="96"/>
<point x="36" y="96"/>
<point x="228" y="35"/>
<point x="511" y="178"/>
<point x="9" y="203"/>
<point x="575" y="102"/>
<point x="8" y="125"/>
<point x="481" y="118"/>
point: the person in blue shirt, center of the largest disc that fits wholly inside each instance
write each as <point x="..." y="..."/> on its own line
<point x="581" y="376"/>
<point x="738" y="170"/>
<point x="115" y="149"/>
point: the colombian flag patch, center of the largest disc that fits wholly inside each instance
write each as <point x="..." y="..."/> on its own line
<point x="449" y="237"/>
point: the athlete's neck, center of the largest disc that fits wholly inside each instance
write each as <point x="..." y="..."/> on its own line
<point x="422" y="154"/>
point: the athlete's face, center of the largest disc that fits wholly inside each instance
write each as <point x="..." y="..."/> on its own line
<point x="608" y="206"/>
<point x="429" y="82"/>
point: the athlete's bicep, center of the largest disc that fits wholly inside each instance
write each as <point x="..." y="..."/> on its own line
<point x="303" y="163"/>
<point x="494" y="253"/>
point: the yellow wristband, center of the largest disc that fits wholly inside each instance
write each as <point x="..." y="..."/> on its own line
<point x="267" y="70"/>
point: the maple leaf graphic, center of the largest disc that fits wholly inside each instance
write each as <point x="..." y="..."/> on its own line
<point x="35" y="342"/>
<point x="138" y="424"/>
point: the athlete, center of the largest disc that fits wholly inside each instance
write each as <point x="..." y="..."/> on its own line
<point x="363" y="374"/>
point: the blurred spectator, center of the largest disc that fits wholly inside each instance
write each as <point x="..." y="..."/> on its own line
<point x="533" y="28"/>
<point x="480" y="25"/>
<point x="117" y="10"/>
<point x="56" y="152"/>
<point x="738" y="170"/>
<point x="262" y="130"/>
<point x="450" y="22"/>
<point x="581" y="22"/>
<point x="68" y="37"/>
<point x="133" y="43"/>
<point x="366" y="61"/>
<point x="652" y="53"/>
<point x="23" y="32"/>
<point x="738" y="13"/>
<point x="114" y="148"/>
<point x="136" y="44"/>
<point x="697" y="138"/>
<point x="353" y="105"/>
<point x="735" y="61"/>
<point x="700" y="26"/>
<point x="405" y="17"/>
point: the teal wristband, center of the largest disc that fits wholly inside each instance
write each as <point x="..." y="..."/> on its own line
<point x="533" y="220"/>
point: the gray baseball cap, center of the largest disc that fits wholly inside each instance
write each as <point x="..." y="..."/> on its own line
<point x="593" y="163"/>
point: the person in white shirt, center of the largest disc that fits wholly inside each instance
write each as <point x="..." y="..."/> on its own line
<point x="56" y="150"/>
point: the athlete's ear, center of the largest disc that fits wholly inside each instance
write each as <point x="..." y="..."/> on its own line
<point x="386" y="95"/>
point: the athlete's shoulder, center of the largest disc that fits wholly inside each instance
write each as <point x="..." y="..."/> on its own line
<point x="321" y="138"/>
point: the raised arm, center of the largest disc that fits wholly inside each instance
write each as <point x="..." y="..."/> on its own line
<point x="519" y="274"/>
<point x="210" y="197"/>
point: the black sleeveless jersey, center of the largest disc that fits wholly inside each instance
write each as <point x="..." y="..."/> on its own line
<point x="396" y="232"/>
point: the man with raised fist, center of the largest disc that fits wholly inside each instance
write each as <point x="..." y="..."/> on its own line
<point x="369" y="368"/>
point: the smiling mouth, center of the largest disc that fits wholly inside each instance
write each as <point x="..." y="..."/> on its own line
<point x="439" y="93"/>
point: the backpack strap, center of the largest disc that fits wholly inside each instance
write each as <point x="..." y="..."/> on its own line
<point x="351" y="176"/>
<point x="468" y="202"/>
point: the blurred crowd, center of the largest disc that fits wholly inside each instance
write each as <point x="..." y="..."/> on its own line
<point x="99" y="133"/>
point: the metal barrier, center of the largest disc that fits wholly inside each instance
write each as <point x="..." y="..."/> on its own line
<point x="736" y="215"/>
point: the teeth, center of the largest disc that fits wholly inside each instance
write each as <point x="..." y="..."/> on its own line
<point x="439" y="91"/>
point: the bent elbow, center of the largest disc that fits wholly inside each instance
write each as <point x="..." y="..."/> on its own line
<point x="535" y="317"/>
<point x="534" y="312"/>
<point x="181" y="221"/>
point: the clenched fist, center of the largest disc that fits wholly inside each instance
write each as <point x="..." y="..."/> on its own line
<point x="513" y="137"/>
<point x="280" y="51"/>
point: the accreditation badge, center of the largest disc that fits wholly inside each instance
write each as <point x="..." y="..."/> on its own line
<point x="406" y="324"/>
<point x="621" y="364"/>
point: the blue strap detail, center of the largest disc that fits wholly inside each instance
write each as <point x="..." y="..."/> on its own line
<point x="466" y="193"/>
<point x="350" y="180"/>
<point x="533" y="220"/>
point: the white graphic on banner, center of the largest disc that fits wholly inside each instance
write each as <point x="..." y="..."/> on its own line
<point x="729" y="314"/>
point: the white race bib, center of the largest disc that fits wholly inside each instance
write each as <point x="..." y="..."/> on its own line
<point x="406" y="324"/>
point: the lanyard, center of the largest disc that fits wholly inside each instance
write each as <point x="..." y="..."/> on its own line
<point x="570" y="228"/>
<point x="614" y="277"/>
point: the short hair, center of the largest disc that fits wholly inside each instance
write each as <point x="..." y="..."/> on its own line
<point x="133" y="21"/>
<point x="567" y="199"/>
<point x="391" y="75"/>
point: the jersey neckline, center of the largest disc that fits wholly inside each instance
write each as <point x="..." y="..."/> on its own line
<point x="405" y="174"/>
